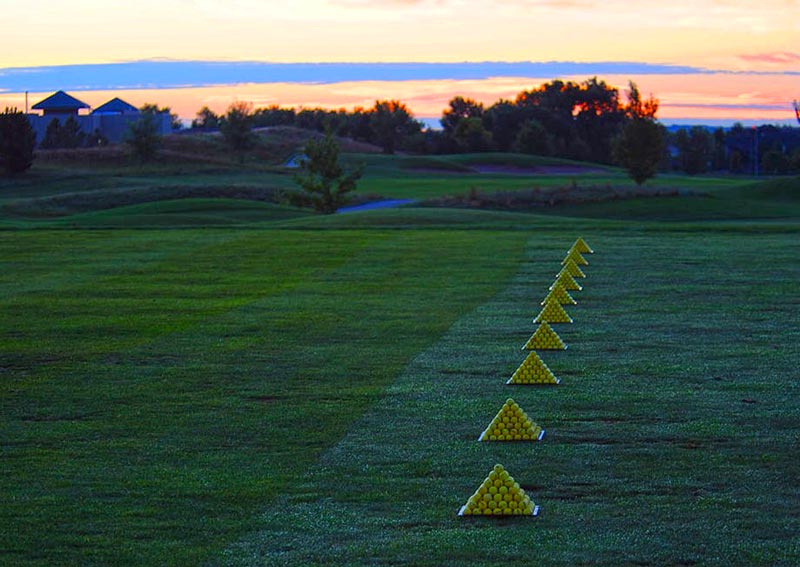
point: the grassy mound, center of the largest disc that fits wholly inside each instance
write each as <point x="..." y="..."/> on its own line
<point x="184" y="213"/>
<point x="98" y="200"/>
<point x="781" y="189"/>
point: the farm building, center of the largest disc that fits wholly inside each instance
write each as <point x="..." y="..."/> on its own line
<point x="60" y="104"/>
<point x="110" y="120"/>
<point x="116" y="107"/>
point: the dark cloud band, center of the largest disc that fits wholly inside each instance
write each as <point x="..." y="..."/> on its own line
<point x="185" y="74"/>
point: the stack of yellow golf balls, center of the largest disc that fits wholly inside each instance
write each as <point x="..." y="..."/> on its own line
<point x="544" y="338"/>
<point x="511" y="424"/>
<point x="499" y="495"/>
<point x="533" y="370"/>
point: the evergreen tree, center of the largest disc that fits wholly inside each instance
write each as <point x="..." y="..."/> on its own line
<point x="63" y="136"/>
<point x="52" y="135"/>
<point x="323" y="178"/>
<point x="17" y="141"/>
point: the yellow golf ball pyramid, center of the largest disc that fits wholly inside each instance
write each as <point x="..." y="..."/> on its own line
<point x="552" y="312"/>
<point x="581" y="246"/>
<point x="572" y="269"/>
<point x="567" y="281"/>
<point x="499" y="495"/>
<point x="533" y="370"/>
<point x="544" y="338"/>
<point x="576" y="257"/>
<point x="560" y="295"/>
<point x="512" y="424"/>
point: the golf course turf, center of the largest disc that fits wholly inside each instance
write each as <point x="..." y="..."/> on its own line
<point x="264" y="386"/>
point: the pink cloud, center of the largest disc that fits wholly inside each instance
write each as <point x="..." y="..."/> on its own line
<point x="773" y="58"/>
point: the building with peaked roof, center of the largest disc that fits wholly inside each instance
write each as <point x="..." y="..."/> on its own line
<point x="60" y="103"/>
<point x="116" y="106"/>
<point x="110" y="121"/>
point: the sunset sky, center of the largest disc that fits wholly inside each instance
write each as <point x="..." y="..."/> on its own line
<point x="737" y="60"/>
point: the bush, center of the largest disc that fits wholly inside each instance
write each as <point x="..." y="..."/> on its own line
<point x="17" y="141"/>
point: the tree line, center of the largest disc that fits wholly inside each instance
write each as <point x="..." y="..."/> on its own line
<point x="762" y="150"/>
<point x="560" y="119"/>
<point x="583" y="121"/>
<point x="586" y="121"/>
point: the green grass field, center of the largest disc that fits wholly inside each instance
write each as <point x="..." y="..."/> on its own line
<point x="230" y="382"/>
<point x="55" y="190"/>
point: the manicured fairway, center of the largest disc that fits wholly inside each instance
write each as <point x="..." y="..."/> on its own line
<point x="300" y="397"/>
<point x="672" y="439"/>
<point x="161" y="389"/>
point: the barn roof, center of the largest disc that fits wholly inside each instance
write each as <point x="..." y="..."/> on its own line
<point x="60" y="101"/>
<point x="116" y="106"/>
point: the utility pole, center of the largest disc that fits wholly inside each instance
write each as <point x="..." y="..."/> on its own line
<point x="26" y="102"/>
<point x="797" y="110"/>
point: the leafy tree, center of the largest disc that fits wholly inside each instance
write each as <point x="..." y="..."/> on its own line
<point x="323" y="178"/>
<point x="533" y="139"/>
<point x="719" y="158"/>
<point x="638" y="108"/>
<point x="470" y="135"/>
<point x="599" y="115"/>
<point x="390" y="122"/>
<point x="237" y="128"/>
<point x="695" y="149"/>
<point x="794" y="161"/>
<point x="143" y="136"/>
<point x="639" y="147"/>
<point x="640" y="144"/>
<point x="312" y="118"/>
<point x="775" y="162"/>
<point x="174" y="120"/>
<point x="206" y="119"/>
<point x="459" y="109"/>
<point x="503" y="119"/>
<point x="17" y="141"/>
<point x="274" y="116"/>
<point x="555" y="106"/>
<point x="736" y="162"/>
<point x="359" y="127"/>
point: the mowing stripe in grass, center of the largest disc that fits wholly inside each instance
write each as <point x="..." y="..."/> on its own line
<point x="167" y="444"/>
<point x="670" y="441"/>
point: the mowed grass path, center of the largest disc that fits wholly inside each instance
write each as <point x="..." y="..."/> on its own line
<point x="160" y="389"/>
<point x="672" y="439"/>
